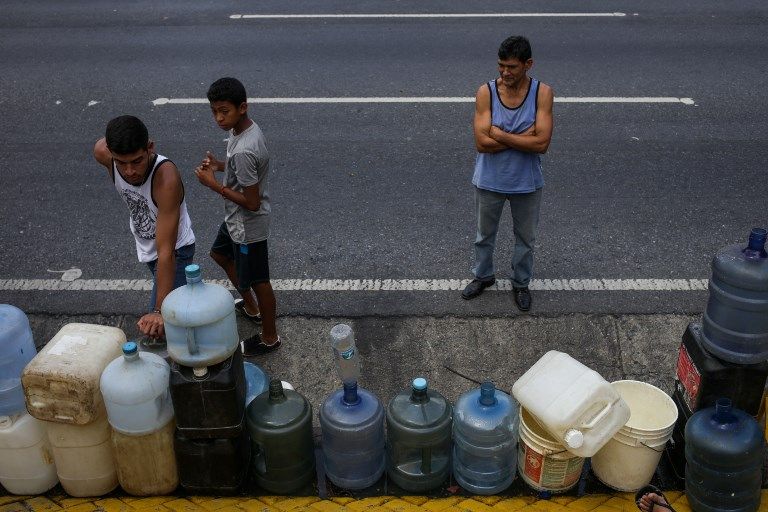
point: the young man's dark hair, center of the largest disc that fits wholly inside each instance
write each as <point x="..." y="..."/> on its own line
<point x="516" y="47"/>
<point x="227" y="89"/>
<point x="126" y="134"/>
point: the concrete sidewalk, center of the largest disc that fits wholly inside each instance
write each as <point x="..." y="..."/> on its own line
<point x="394" y="350"/>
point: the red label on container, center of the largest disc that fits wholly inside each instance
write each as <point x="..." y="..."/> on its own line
<point x="533" y="464"/>
<point x="689" y="377"/>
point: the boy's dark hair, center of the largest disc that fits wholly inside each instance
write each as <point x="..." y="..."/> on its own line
<point x="517" y="47"/>
<point x="227" y="89"/>
<point x="126" y="134"/>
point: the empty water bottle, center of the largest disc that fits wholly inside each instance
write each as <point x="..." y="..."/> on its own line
<point x="418" y="438"/>
<point x="345" y="353"/>
<point x="724" y="454"/>
<point x="16" y="350"/>
<point x="485" y="430"/>
<point x="352" y="422"/>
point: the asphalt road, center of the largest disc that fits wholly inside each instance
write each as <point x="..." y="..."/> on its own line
<point x="377" y="191"/>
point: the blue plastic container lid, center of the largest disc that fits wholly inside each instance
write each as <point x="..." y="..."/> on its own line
<point x="130" y="347"/>
<point x="419" y="384"/>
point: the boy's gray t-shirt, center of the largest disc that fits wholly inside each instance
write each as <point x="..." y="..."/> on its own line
<point x="247" y="164"/>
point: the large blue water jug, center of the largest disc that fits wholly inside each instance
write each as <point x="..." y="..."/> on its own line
<point x="485" y="432"/>
<point x="352" y="423"/>
<point x="200" y="324"/>
<point x="16" y="349"/>
<point x="724" y="452"/>
<point x="735" y="323"/>
<point x="419" y="438"/>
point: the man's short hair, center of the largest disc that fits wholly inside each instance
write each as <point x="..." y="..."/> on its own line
<point x="227" y="89"/>
<point x="517" y="47"/>
<point x="126" y="134"/>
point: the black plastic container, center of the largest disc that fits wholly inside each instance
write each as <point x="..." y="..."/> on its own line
<point x="211" y="405"/>
<point x="213" y="466"/>
<point x="702" y="378"/>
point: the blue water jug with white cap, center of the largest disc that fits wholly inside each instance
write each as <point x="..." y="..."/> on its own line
<point x="16" y="349"/>
<point x="485" y="432"/>
<point x="200" y="324"/>
<point x="352" y="423"/>
<point x="419" y="438"/>
<point x="735" y="323"/>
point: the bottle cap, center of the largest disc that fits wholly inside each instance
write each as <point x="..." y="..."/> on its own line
<point x="200" y="372"/>
<point x="192" y="271"/>
<point x="419" y="384"/>
<point x="130" y="347"/>
<point x="573" y="438"/>
<point x="340" y="332"/>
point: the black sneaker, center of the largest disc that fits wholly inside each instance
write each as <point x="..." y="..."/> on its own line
<point x="523" y="298"/>
<point x="254" y="346"/>
<point x="476" y="287"/>
<point x="240" y="308"/>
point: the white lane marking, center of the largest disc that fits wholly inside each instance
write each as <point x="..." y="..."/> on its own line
<point x="435" y="15"/>
<point x="430" y="99"/>
<point x="351" y="285"/>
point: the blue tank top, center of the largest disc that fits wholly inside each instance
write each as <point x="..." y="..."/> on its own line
<point x="510" y="171"/>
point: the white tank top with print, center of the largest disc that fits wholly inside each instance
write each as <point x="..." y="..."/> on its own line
<point x="143" y="213"/>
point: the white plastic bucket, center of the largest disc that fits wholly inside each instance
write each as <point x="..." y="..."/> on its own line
<point x="543" y="463"/>
<point x="627" y="462"/>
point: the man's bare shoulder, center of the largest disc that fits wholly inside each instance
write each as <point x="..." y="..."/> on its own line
<point x="101" y="153"/>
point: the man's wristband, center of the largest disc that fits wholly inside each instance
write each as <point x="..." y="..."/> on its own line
<point x="157" y="311"/>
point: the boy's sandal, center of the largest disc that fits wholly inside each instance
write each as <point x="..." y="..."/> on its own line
<point x="652" y="489"/>
<point x="240" y="307"/>
<point x="254" y="346"/>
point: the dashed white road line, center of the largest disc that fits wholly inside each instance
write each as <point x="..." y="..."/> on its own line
<point x="372" y="285"/>
<point x="431" y="15"/>
<point x="429" y="99"/>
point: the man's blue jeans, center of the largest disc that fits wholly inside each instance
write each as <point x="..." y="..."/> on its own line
<point x="525" y="219"/>
<point x="184" y="257"/>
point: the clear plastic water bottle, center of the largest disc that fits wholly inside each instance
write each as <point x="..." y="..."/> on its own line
<point x="345" y="353"/>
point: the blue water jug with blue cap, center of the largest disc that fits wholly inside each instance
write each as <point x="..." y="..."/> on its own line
<point x="200" y="324"/>
<point x="352" y="424"/>
<point x="485" y="432"/>
<point x="735" y="323"/>
<point x="419" y="438"/>
<point x="724" y="453"/>
<point x="16" y="349"/>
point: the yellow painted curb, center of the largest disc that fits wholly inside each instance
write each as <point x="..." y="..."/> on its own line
<point x="618" y="502"/>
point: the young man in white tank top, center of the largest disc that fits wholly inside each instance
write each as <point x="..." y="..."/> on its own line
<point x="151" y="186"/>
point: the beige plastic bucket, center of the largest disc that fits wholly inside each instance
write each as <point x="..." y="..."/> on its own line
<point x="543" y="463"/>
<point x="627" y="462"/>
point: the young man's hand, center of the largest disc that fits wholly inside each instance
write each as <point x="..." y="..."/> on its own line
<point x="152" y="325"/>
<point x="205" y="176"/>
<point x="210" y="161"/>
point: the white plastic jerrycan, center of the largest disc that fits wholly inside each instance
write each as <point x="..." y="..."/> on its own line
<point x="573" y="403"/>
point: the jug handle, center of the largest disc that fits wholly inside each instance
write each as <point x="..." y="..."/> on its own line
<point x="598" y="417"/>
<point x="426" y="461"/>
<point x="191" y="341"/>
<point x="260" y="458"/>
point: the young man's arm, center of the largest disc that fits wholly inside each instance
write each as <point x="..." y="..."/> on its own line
<point x="168" y="194"/>
<point x="482" y="123"/>
<point x="537" y="140"/>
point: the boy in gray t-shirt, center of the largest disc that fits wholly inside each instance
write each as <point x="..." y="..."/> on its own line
<point x="240" y="247"/>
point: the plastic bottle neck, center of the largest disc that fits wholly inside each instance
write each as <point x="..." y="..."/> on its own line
<point x="276" y="392"/>
<point x="724" y="411"/>
<point x="419" y="396"/>
<point x="131" y="357"/>
<point x="487" y="394"/>
<point x="350" y="393"/>
<point x="755" y="249"/>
